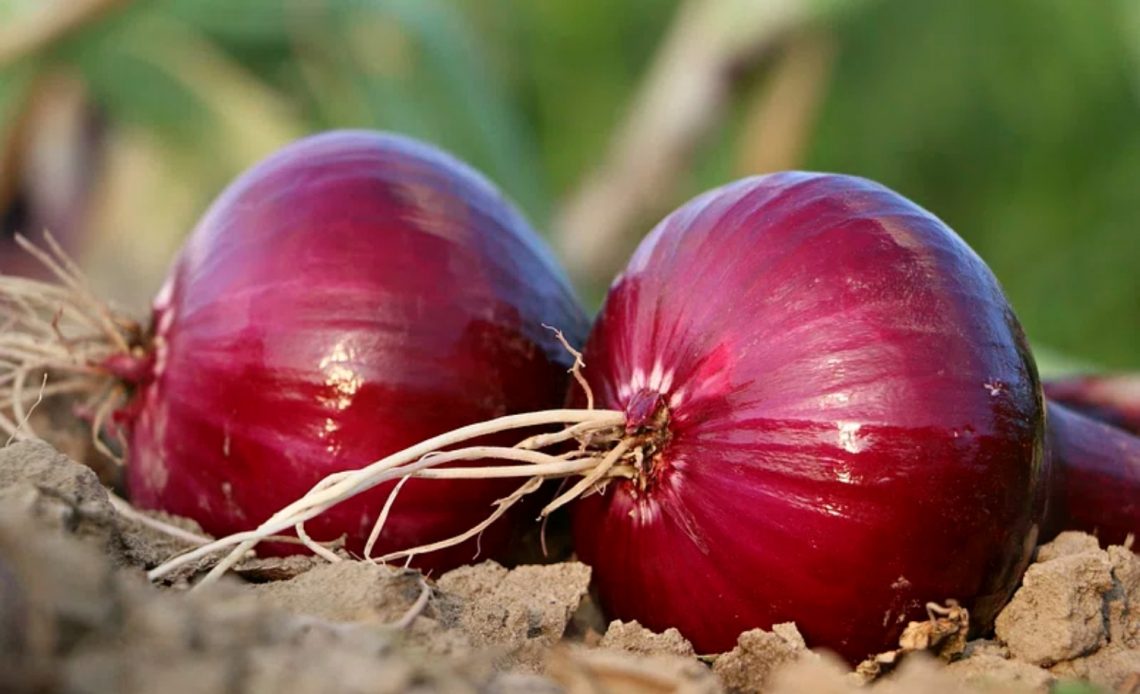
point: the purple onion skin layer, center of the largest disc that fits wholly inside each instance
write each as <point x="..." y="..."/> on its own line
<point x="1096" y="470"/>
<point x="855" y="424"/>
<point x="351" y="295"/>
<point x="1112" y="398"/>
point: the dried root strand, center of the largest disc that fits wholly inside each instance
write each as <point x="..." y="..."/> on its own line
<point x="604" y="452"/>
<point x="591" y="478"/>
<point x="576" y="368"/>
<point x="22" y="416"/>
<point x="125" y="509"/>
<point x="72" y="277"/>
<point x="57" y="333"/>
<point x="417" y="608"/>
<point x="423" y="460"/>
<point x="501" y="507"/>
<point x="383" y="517"/>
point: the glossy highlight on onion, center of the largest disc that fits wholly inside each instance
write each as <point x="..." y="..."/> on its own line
<point x="843" y="420"/>
<point x="351" y="295"/>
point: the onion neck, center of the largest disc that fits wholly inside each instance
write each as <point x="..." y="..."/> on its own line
<point x="134" y="368"/>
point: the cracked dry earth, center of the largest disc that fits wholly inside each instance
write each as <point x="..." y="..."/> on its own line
<point x="77" y="615"/>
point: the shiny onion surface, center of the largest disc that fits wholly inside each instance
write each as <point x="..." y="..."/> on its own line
<point x="349" y="296"/>
<point x="845" y="420"/>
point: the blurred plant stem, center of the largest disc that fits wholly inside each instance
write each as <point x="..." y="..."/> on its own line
<point x="14" y="117"/>
<point x="710" y="47"/>
<point x="48" y="23"/>
<point x="782" y="114"/>
<point x="47" y="164"/>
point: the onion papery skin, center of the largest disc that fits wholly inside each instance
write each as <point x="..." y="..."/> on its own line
<point x="351" y="295"/>
<point x="1112" y="398"/>
<point x="855" y="423"/>
<point x="1097" y="477"/>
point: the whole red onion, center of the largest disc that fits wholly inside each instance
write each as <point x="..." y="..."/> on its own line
<point x="347" y="297"/>
<point x="840" y="420"/>
<point x="1113" y="398"/>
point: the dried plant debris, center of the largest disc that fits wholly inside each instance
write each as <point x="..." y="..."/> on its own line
<point x="942" y="635"/>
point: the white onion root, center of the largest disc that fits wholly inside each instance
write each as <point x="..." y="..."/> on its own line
<point x="423" y="460"/>
<point x="59" y="328"/>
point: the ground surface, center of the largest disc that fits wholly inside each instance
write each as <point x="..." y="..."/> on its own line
<point x="78" y="615"/>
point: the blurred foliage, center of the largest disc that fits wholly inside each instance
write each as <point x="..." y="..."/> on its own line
<point x="1018" y="122"/>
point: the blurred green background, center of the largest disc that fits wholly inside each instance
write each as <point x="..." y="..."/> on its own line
<point x="1018" y="122"/>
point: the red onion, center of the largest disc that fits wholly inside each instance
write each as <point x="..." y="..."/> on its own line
<point x="839" y="417"/>
<point x="347" y="297"/>
<point x="1097" y="477"/>
<point x="1113" y="398"/>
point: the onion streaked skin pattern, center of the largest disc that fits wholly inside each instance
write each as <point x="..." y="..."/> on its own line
<point x="349" y="296"/>
<point x="1096" y="468"/>
<point x="848" y="421"/>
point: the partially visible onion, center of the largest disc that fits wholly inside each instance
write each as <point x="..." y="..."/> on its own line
<point x="347" y="297"/>
<point x="1097" y="477"/>
<point x="1112" y="398"/>
<point x="840" y="420"/>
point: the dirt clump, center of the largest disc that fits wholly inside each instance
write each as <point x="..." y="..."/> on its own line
<point x="631" y="637"/>
<point x="65" y="496"/>
<point x="59" y="494"/>
<point x="1057" y="614"/>
<point x="586" y="670"/>
<point x="1122" y="602"/>
<point x="1066" y="543"/>
<point x="824" y="675"/>
<point x="72" y="622"/>
<point x="269" y="569"/>
<point x="345" y="591"/>
<point x="146" y="546"/>
<point x="1110" y="668"/>
<point x="52" y="596"/>
<point x="917" y="673"/>
<point x="988" y="672"/>
<point x="521" y="612"/>
<point x="758" y="653"/>
<point x="922" y="673"/>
